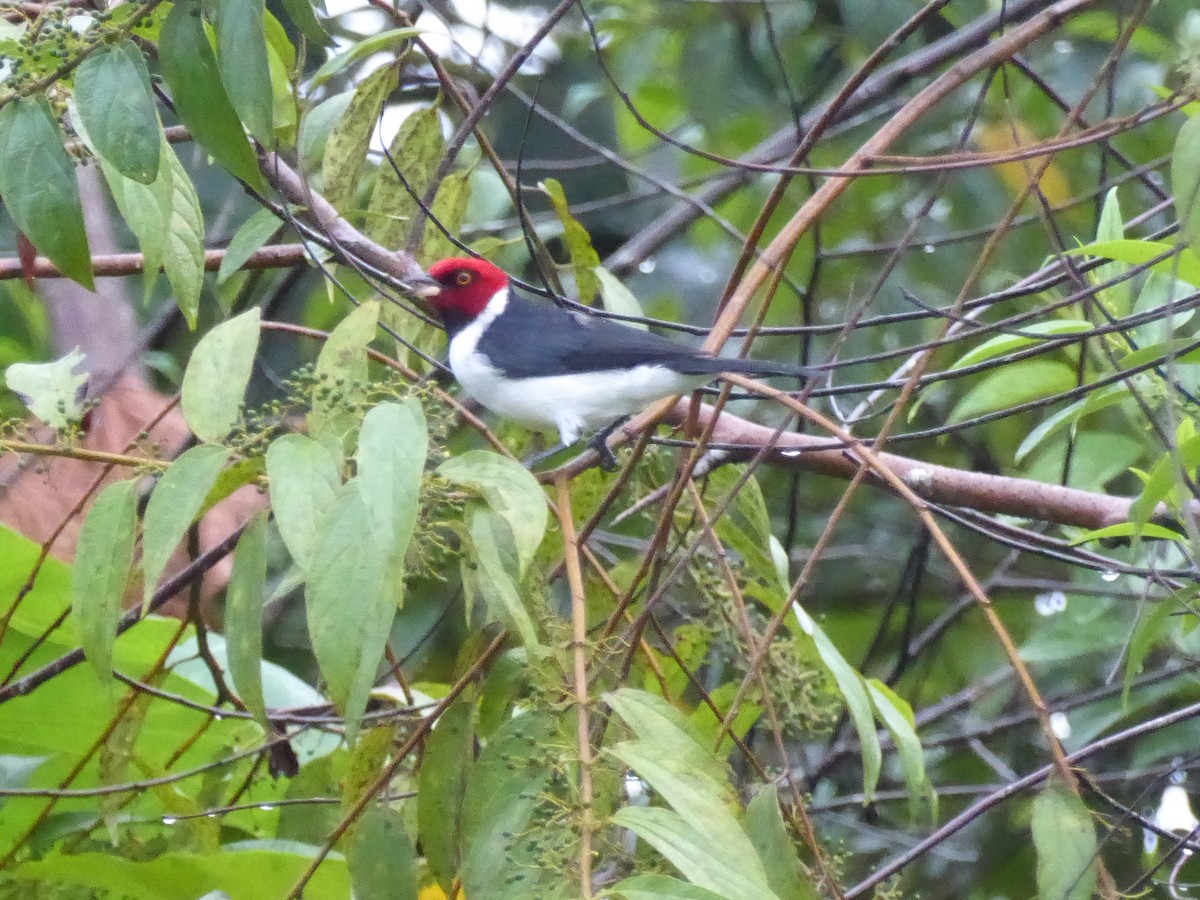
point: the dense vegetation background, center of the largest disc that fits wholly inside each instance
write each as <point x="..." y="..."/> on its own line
<point x="281" y="616"/>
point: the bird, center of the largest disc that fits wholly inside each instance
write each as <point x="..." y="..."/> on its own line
<point x="557" y="369"/>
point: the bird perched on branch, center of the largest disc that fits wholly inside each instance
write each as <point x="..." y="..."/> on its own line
<point x="554" y="369"/>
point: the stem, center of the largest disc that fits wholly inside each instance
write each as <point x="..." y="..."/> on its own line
<point x="578" y="644"/>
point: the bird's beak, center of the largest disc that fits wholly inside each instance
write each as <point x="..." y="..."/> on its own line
<point x="423" y="286"/>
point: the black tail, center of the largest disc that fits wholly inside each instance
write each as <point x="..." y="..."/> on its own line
<point x="703" y="365"/>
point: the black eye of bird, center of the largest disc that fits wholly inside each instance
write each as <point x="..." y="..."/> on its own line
<point x="463" y="278"/>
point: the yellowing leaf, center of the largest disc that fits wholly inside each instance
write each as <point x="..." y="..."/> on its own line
<point x="1011" y="135"/>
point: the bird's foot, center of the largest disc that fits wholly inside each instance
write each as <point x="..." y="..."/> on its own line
<point x="599" y="443"/>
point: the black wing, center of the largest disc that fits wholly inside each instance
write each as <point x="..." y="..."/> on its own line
<point x="539" y="337"/>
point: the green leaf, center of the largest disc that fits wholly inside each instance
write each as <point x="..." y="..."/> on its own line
<point x="244" y="617"/>
<point x="657" y="722"/>
<point x="37" y="182"/>
<point x="183" y="252"/>
<point x="415" y="152"/>
<point x="584" y="258"/>
<point x="214" y="384"/>
<point x="450" y="208"/>
<point x="346" y="147"/>
<point x="103" y="561"/>
<point x="897" y="716"/>
<point x="173" y="506"/>
<point x="694" y="852"/>
<point x="442" y="785"/>
<point x="1185" y="264"/>
<point x="1007" y="343"/>
<point x="1013" y="385"/>
<point x="617" y="298"/>
<point x="851" y="686"/>
<point x="1185" y="180"/>
<point x="382" y="859"/>
<point x="1130" y="529"/>
<point x="191" y="71"/>
<point x="341" y="372"/>
<point x="242" y="59"/>
<point x="255" y="869"/>
<point x="1153" y="621"/>
<point x="378" y="43"/>
<point x="351" y="600"/>
<point x="304" y="481"/>
<point x="1065" y="841"/>
<point x="116" y="105"/>
<point x="504" y="788"/>
<point x="392" y="446"/>
<point x="510" y="490"/>
<point x="1112" y="228"/>
<point x="304" y="18"/>
<point x="490" y="574"/>
<point x="316" y="124"/>
<point x="769" y="835"/>
<point x="255" y="231"/>
<point x="51" y="391"/>
<point x="1069" y="415"/>
<point x="661" y="887"/>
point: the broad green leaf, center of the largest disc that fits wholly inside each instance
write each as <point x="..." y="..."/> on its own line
<point x="1112" y="228"/>
<point x="1094" y="402"/>
<point x="450" y="208"/>
<point x="584" y="259"/>
<point x="244" y="617"/>
<point x="191" y="71"/>
<point x="242" y="872"/>
<point x="346" y="147"/>
<point x="1013" y="385"/>
<point x="351" y="600"/>
<point x="1185" y="180"/>
<point x="851" y="686"/>
<point x="660" y="887"/>
<point x="1129" y="529"/>
<point x="897" y="716"/>
<point x="304" y="481"/>
<point x="696" y="798"/>
<point x="316" y="125"/>
<point x="392" y="445"/>
<point x="1185" y="264"/>
<point x="378" y="43"/>
<point x="657" y="722"/>
<point x="367" y="759"/>
<point x="504" y="788"/>
<point x="173" y="506"/>
<point x="510" y="490"/>
<point x="1007" y="343"/>
<point x="281" y="63"/>
<point x="1160" y="290"/>
<point x="214" y="384"/>
<point x="415" y="152"/>
<point x="1162" y="479"/>
<point x="1153" y="622"/>
<point x="183" y="252"/>
<point x="1065" y="841"/>
<point x="442" y="784"/>
<point x="37" y="182"/>
<point x="242" y="59"/>
<point x="341" y="371"/>
<point x="769" y="835"/>
<point x="689" y="846"/>
<point x="51" y="391"/>
<point x="381" y="856"/>
<point x="255" y="231"/>
<point x="103" y="561"/>
<point x="114" y="100"/>
<point x="491" y="573"/>
<point x="304" y="18"/>
<point x="617" y="298"/>
<point x="146" y="210"/>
